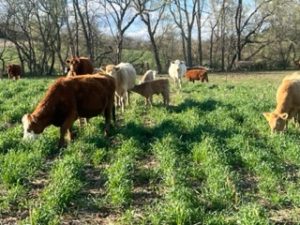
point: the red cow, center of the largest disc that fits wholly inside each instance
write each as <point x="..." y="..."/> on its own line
<point x="69" y="98"/>
<point x="79" y="66"/>
<point x="14" y="71"/>
<point x="197" y="74"/>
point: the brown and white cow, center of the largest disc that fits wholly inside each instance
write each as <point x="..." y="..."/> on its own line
<point x="79" y="66"/>
<point x="14" y="71"/>
<point x="69" y="98"/>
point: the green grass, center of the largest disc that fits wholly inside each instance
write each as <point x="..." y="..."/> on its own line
<point x="208" y="158"/>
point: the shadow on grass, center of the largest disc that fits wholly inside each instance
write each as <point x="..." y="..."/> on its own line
<point x="208" y="105"/>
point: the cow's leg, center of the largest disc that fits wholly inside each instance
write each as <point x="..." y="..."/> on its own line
<point x="108" y="114"/>
<point x="149" y="100"/>
<point x="128" y="97"/>
<point x="122" y="102"/>
<point x="65" y="134"/>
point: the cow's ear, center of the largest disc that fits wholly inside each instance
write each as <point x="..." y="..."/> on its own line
<point x="267" y="115"/>
<point x="284" y="116"/>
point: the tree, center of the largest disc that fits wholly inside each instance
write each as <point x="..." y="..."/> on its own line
<point x="247" y="26"/>
<point x="184" y="14"/>
<point x="151" y="13"/>
<point x="119" y="14"/>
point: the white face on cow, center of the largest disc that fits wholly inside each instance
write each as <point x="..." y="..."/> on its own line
<point x="28" y="132"/>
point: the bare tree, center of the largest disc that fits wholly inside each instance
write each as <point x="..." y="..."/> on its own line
<point x="121" y="14"/>
<point x="200" y="5"/>
<point x="1" y="57"/>
<point x="85" y="21"/>
<point x="184" y="17"/>
<point x="151" y="13"/>
<point x="248" y="27"/>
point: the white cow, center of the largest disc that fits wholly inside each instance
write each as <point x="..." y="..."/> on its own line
<point x="148" y="76"/>
<point x="177" y="70"/>
<point x="125" y="75"/>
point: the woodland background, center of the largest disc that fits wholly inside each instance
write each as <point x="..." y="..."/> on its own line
<point x="223" y="35"/>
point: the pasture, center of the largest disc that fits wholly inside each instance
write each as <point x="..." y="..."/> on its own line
<point x="208" y="158"/>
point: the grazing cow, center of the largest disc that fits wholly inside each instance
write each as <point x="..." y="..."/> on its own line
<point x="176" y="71"/>
<point x="149" y="88"/>
<point x="148" y="76"/>
<point x="288" y="103"/>
<point x="69" y="98"/>
<point x="197" y="74"/>
<point x="14" y="71"/>
<point x="125" y="76"/>
<point x="79" y="66"/>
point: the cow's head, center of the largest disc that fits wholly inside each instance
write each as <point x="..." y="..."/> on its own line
<point x="73" y="63"/>
<point x="29" y="127"/>
<point x="276" y="121"/>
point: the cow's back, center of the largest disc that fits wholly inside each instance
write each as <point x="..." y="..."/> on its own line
<point x="93" y="93"/>
<point x="126" y="76"/>
<point x="288" y="92"/>
<point x="85" y="95"/>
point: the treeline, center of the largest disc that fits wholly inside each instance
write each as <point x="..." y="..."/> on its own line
<point x="221" y="34"/>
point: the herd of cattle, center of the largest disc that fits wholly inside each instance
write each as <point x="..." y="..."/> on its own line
<point x="84" y="93"/>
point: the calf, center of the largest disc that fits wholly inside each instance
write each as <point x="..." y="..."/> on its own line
<point x="14" y="71"/>
<point x="79" y="66"/>
<point x="69" y="98"/>
<point x="288" y="103"/>
<point x="149" y="88"/>
<point x="197" y="74"/>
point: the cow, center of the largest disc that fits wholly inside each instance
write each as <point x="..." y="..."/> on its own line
<point x="176" y="71"/>
<point x="79" y="66"/>
<point x="69" y="98"/>
<point x="288" y="103"/>
<point x="197" y="74"/>
<point x="148" y="76"/>
<point x="14" y="71"/>
<point x="149" y="88"/>
<point x="125" y="76"/>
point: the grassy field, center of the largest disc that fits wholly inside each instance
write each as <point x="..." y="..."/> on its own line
<point x="209" y="158"/>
